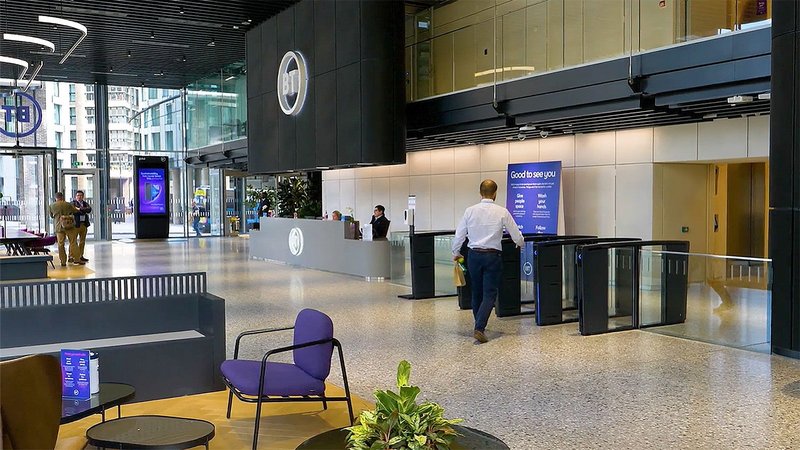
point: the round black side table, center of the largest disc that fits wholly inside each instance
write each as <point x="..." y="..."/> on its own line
<point x="151" y="432"/>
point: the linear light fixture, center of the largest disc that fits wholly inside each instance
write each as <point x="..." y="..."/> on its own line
<point x="70" y="24"/>
<point x="16" y="62"/>
<point x="505" y="69"/>
<point x="230" y="78"/>
<point x="30" y="39"/>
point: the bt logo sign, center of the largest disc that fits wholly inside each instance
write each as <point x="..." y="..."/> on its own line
<point x="292" y="83"/>
<point x="21" y="114"/>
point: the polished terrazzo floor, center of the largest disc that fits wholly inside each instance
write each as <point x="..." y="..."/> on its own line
<point x="533" y="387"/>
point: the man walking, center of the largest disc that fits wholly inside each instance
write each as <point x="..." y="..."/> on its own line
<point x="81" y="222"/>
<point x="64" y="221"/>
<point x="483" y="224"/>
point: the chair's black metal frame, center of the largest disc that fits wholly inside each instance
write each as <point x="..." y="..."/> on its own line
<point x="261" y="398"/>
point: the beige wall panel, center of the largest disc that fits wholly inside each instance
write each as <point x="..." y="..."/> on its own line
<point x="499" y="177"/>
<point x="442" y="50"/>
<point x="657" y="24"/>
<point x="595" y="200"/>
<point x="595" y="149"/>
<point x="523" y="151"/>
<point x="758" y="136"/>
<point x="380" y="172"/>
<point x="347" y="195"/>
<point x="363" y="205"/>
<point x="465" y="54"/>
<point x="347" y="174"/>
<point x="419" y="163"/>
<point x="568" y="186"/>
<point x="400" y="170"/>
<point x="635" y="146"/>
<point x="442" y="202"/>
<point x="421" y="187"/>
<point x="330" y="196"/>
<point x="467" y="159"/>
<point x="513" y="41"/>
<point x="484" y="52"/>
<point x="573" y="32"/>
<point x="465" y="194"/>
<point x="330" y="175"/>
<point x="398" y="191"/>
<point x="381" y="195"/>
<point x="536" y="42"/>
<point x="603" y="29"/>
<point x="494" y="157"/>
<point x="675" y="143"/>
<point x="459" y="9"/>
<point x="722" y="139"/>
<point x="634" y="200"/>
<point x="561" y="148"/>
<point x="555" y="34"/>
<point x="442" y="161"/>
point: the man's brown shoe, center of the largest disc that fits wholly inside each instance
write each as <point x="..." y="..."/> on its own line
<point x="480" y="337"/>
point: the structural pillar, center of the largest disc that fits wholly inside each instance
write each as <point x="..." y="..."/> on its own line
<point x="103" y="208"/>
<point x="784" y="211"/>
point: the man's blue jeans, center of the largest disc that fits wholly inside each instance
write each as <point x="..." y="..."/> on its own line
<point x="485" y="274"/>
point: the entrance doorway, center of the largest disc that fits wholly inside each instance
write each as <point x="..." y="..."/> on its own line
<point x="70" y="181"/>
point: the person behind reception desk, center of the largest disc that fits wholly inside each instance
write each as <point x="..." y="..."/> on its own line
<point x="336" y="216"/>
<point x="483" y="224"/>
<point x="379" y="222"/>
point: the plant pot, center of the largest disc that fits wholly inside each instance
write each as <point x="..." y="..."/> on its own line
<point x="470" y="439"/>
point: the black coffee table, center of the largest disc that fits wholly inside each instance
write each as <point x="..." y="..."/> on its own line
<point x="151" y="432"/>
<point x="470" y="439"/>
<point x="110" y="395"/>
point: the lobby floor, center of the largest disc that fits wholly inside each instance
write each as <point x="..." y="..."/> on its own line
<point x="534" y="387"/>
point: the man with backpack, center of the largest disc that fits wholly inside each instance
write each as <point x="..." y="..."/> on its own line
<point x="64" y="221"/>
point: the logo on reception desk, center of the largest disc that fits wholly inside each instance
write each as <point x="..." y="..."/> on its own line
<point x="296" y="241"/>
<point x="27" y="115"/>
<point x="292" y="83"/>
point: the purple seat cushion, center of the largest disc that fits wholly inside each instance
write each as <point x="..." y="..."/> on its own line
<point x="280" y="378"/>
<point x="309" y="326"/>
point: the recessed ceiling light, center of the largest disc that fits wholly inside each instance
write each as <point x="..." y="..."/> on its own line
<point x="152" y="35"/>
<point x="236" y="27"/>
<point x="183" y="58"/>
<point x="212" y="43"/>
<point x="181" y="10"/>
<point x="110" y="69"/>
<point x="129" y="54"/>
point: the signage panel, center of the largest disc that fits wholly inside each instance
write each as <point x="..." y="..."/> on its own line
<point x="532" y="196"/>
<point x="152" y="191"/>
<point x="75" y="374"/>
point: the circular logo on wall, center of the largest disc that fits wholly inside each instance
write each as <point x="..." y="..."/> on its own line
<point x="292" y="83"/>
<point x="23" y="119"/>
<point x="296" y="241"/>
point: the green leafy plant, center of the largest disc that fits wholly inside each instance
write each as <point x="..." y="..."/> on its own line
<point x="398" y="422"/>
<point x="255" y="196"/>
<point x="292" y="195"/>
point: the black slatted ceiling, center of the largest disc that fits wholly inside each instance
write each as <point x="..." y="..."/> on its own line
<point x="117" y="27"/>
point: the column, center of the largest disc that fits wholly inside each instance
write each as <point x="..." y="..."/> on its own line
<point x="784" y="234"/>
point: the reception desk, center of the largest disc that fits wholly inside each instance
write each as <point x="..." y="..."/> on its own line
<point x="319" y="244"/>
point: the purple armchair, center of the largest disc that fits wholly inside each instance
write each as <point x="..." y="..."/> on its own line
<point x="304" y="381"/>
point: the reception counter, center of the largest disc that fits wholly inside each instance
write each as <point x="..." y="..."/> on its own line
<point x="318" y="244"/>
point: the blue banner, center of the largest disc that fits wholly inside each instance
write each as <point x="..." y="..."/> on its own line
<point x="75" y="374"/>
<point x="533" y="192"/>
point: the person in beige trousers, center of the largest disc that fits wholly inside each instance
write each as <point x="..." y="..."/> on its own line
<point x="58" y="209"/>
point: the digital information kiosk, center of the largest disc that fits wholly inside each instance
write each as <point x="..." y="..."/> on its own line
<point x="151" y="197"/>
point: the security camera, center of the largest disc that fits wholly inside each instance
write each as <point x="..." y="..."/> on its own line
<point x="544" y="134"/>
<point x="521" y="137"/>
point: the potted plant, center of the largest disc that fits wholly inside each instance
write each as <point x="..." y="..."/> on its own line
<point x="399" y="422"/>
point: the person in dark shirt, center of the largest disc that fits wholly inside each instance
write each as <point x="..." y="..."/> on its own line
<point x="379" y="222"/>
<point x="81" y="222"/>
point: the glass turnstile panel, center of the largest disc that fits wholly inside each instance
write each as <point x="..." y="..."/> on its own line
<point x="620" y="288"/>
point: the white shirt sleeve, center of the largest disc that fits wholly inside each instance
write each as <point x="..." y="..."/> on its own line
<point x="461" y="235"/>
<point x="513" y="229"/>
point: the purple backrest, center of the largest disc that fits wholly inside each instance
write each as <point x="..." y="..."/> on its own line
<point x="312" y="325"/>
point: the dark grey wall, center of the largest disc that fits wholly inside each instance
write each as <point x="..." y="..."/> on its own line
<point x="355" y="107"/>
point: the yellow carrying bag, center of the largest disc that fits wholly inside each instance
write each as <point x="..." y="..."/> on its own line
<point x="459" y="279"/>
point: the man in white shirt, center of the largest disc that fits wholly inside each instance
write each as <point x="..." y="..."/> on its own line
<point x="483" y="224"/>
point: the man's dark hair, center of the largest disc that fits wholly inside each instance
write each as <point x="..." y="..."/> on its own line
<point x="59" y="196"/>
<point x="79" y="192"/>
<point x="488" y="188"/>
<point x="380" y="208"/>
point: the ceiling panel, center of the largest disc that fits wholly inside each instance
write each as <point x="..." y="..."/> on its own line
<point x="133" y="42"/>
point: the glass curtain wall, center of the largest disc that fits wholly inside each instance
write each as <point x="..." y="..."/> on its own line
<point x="145" y="122"/>
<point x="471" y="43"/>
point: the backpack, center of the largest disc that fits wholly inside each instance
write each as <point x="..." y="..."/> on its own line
<point x="67" y="222"/>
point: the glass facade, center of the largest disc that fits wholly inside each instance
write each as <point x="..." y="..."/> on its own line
<point x="217" y="108"/>
<point x="471" y="43"/>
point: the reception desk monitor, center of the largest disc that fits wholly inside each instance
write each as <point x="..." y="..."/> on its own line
<point x="151" y="196"/>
